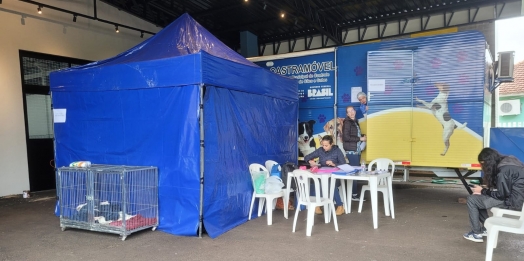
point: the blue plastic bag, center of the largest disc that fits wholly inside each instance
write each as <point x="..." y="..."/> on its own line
<point x="57" y="208"/>
<point x="275" y="171"/>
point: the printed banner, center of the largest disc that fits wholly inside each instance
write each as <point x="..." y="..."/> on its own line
<point x="315" y="75"/>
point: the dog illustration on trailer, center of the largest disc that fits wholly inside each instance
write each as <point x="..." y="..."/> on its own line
<point x="306" y="142"/>
<point x="439" y="108"/>
<point x="329" y="128"/>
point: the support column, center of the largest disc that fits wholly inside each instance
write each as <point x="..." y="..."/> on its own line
<point x="248" y="44"/>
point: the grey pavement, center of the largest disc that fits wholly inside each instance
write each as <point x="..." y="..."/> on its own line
<point x="428" y="225"/>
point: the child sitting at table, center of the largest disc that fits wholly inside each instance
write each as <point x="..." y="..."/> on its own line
<point x="328" y="155"/>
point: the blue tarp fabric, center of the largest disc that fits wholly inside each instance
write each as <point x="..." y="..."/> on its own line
<point x="508" y="141"/>
<point x="141" y="107"/>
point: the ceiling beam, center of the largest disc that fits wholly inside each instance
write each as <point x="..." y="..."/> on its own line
<point x="217" y="10"/>
<point x="252" y="26"/>
<point x="424" y="10"/>
<point x="307" y="10"/>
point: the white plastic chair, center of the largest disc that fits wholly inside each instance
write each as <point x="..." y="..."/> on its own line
<point x="269" y="165"/>
<point x="270" y="199"/>
<point x="498" y="223"/>
<point x="382" y="164"/>
<point x="311" y="202"/>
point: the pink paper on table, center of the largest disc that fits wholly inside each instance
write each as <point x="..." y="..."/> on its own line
<point x="325" y="170"/>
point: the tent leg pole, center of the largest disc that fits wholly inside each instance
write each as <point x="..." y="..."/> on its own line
<point x="201" y="123"/>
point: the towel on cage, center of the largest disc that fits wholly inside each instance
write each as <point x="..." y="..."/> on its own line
<point x="135" y="222"/>
<point x="110" y="211"/>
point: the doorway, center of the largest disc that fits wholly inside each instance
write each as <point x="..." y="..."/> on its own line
<point x="38" y="114"/>
<point x="390" y="102"/>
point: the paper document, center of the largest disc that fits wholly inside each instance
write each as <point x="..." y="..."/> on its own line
<point x="376" y="85"/>
<point x="59" y="115"/>
<point x="328" y="168"/>
<point x="348" y="168"/>
<point x="354" y="92"/>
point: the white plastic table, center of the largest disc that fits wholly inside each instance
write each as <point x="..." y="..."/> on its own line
<point x="373" y="183"/>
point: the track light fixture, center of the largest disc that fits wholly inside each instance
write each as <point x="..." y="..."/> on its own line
<point x="296" y="21"/>
<point x="265" y="6"/>
<point x="75" y="15"/>
<point x="282" y="15"/>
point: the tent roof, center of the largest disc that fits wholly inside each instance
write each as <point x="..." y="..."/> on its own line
<point x="183" y="53"/>
<point x="182" y="37"/>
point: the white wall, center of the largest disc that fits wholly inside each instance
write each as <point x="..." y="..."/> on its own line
<point x="53" y="33"/>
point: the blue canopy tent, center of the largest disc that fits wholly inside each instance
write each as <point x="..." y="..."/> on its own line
<point x="153" y="105"/>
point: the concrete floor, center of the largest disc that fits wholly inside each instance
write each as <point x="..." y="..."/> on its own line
<point x="429" y="225"/>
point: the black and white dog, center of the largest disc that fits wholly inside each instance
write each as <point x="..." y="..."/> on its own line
<point x="439" y="108"/>
<point x="306" y="142"/>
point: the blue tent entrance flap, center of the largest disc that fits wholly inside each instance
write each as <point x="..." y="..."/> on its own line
<point x="142" y="107"/>
<point x="241" y="129"/>
<point x="508" y="141"/>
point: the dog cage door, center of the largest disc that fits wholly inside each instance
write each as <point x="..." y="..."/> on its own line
<point x="389" y="121"/>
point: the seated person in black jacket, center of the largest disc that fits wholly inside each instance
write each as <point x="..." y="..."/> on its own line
<point x="505" y="180"/>
<point x="328" y="155"/>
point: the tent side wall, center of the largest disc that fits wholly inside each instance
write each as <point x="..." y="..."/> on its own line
<point x="156" y="126"/>
<point x="241" y="128"/>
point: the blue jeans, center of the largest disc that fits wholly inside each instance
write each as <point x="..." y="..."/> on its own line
<point x="336" y="197"/>
<point x="354" y="160"/>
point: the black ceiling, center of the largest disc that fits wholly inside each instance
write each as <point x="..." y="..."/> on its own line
<point x="227" y="18"/>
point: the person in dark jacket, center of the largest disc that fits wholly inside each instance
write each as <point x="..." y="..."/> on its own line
<point x="328" y="155"/>
<point x="352" y="139"/>
<point x="505" y="189"/>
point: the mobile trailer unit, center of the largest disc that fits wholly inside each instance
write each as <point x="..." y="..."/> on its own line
<point x="429" y="98"/>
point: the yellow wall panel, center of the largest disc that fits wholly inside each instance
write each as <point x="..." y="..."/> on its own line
<point x="435" y="32"/>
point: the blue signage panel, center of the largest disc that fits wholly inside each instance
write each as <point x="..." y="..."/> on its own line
<point x="315" y="75"/>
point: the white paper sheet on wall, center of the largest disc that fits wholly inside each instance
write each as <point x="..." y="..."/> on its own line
<point x="354" y="92"/>
<point x="375" y="85"/>
<point x="59" y="115"/>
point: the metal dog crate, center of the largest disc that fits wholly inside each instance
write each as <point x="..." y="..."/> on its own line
<point x="107" y="198"/>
